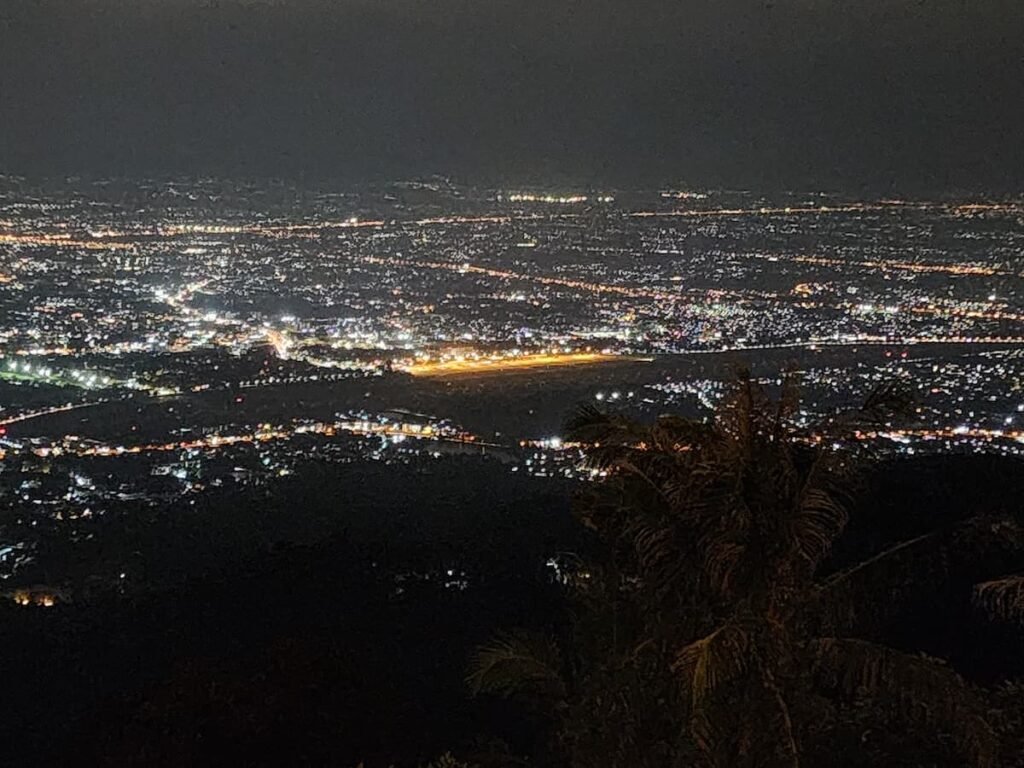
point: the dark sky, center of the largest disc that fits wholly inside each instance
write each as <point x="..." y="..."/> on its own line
<point x="924" y="95"/>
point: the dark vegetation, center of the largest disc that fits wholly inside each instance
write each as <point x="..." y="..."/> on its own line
<point x="668" y="640"/>
<point x="350" y="641"/>
<point x="717" y="626"/>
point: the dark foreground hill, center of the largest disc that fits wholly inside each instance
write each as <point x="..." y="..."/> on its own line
<point x="354" y="648"/>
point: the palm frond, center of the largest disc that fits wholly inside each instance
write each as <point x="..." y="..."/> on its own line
<point x="785" y="744"/>
<point x="518" y="663"/>
<point x="715" y="659"/>
<point x="890" y="402"/>
<point x="654" y="544"/>
<point x="447" y="760"/>
<point x="675" y="433"/>
<point x="703" y="666"/>
<point x="1002" y="598"/>
<point x="723" y="561"/>
<point x="591" y="425"/>
<point x="918" y="687"/>
<point x="881" y="585"/>
<point x="818" y="521"/>
<point x="820" y="511"/>
<point x="743" y="412"/>
<point x="890" y="399"/>
<point x="788" y="403"/>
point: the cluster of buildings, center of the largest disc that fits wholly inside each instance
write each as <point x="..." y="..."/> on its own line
<point x="139" y="321"/>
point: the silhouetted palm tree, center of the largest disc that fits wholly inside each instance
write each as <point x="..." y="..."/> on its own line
<point x="713" y="605"/>
<point x="1003" y="598"/>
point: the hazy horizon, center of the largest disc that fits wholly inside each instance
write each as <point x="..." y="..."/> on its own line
<point x="907" y="97"/>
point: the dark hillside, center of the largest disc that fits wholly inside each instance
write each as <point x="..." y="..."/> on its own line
<point x="355" y="648"/>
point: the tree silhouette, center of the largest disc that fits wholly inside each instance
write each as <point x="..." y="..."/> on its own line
<point x="711" y="628"/>
<point x="1002" y="598"/>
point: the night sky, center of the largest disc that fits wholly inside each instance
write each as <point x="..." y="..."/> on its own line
<point x="884" y="95"/>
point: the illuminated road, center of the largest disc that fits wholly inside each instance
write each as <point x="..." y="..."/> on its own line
<point x="946" y="433"/>
<point x="864" y="341"/>
<point x="660" y="295"/>
<point x="489" y="365"/>
<point x="976" y="270"/>
<point x="879" y="207"/>
<point x="581" y="285"/>
<point x="74" y="446"/>
<point x="49" y="412"/>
